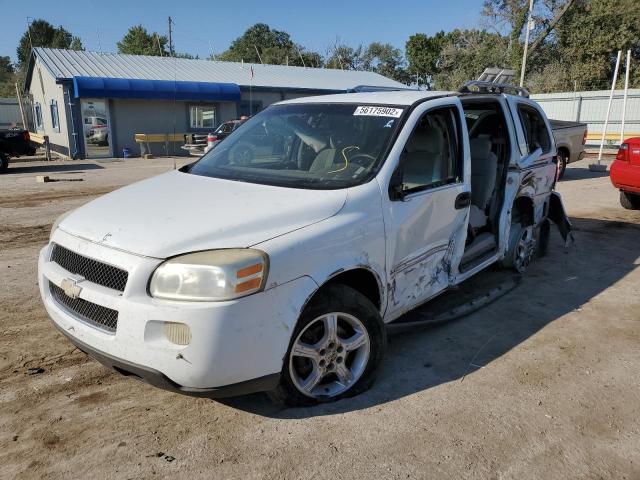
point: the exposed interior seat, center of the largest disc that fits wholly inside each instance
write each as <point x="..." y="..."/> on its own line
<point x="423" y="164"/>
<point x="323" y="161"/>
<point x="484" y="166"/>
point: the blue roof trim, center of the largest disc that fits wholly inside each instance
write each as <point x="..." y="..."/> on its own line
<point x="101" y="87"/>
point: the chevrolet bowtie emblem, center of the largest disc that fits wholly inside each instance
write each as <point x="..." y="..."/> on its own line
<point x="70" y="288"/>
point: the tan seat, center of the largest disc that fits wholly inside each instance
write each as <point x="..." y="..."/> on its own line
<point x="323" y="161"/>
<point x="423" y="163"/>
<point x="484" y="167"/>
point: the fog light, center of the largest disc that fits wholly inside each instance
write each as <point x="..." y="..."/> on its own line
<point x="177" y="333"/>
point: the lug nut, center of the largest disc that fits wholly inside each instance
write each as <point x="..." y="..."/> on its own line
<point x="330" y="366"/>
<point x="321" y="363"/>
<point x="322" y="352"/>
<point x="340" y="349"/>
<point x="331" y="345"/>
<point x="339" y="360"/>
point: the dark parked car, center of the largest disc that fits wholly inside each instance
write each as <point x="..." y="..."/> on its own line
<point x="14" y="143"/>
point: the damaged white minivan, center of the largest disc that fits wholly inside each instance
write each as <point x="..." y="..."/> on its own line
<point x="276" y="261"/>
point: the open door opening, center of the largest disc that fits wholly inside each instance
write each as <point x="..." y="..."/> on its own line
<point x="489" y="144"/>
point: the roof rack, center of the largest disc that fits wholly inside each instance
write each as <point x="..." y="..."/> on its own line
<point x="479" y="86"/>
<point x="373" y="88"/>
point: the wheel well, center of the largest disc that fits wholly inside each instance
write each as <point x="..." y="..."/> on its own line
<point x="361" y="280"/>
<point x="564" y="150"/>
<point x="522" y="211"/>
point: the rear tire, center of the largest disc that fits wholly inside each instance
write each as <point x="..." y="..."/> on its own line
<point x="4" y="163"/>
<point x="630" y="201"/>
<point x="522" y="245"/>
<point x="563" y="160"/>
<point x="342" y="365"/>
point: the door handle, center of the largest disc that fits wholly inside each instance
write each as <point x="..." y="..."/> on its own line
<point x="463" y="200"/>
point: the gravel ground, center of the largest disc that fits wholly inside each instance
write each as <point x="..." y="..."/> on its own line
<point x="542" y="383"/>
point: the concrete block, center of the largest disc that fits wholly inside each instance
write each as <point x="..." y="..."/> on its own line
<point x="42" y="179"/>
<point x="148" y="156"/>
<point x="598" y="167"/>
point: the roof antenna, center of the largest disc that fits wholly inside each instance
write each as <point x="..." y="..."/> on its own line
<point x="98" y="37"/>
<point x="259" y="57"/>
<point x="303" y="64"/>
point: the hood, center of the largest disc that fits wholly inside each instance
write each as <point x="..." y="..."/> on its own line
<point x="177" y="212"/>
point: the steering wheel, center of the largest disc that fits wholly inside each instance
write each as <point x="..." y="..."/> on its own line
<point x="241" y="154"/>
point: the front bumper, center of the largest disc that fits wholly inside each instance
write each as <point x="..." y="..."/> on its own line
<point x="236" y="346"/>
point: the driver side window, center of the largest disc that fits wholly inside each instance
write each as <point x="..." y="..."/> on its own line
<point x="432" y="154"/>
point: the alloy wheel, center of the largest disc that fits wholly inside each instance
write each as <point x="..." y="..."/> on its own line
<point x="329" y="355"/>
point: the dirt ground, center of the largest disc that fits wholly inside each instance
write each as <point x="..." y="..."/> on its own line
<point x="542" y="383"/>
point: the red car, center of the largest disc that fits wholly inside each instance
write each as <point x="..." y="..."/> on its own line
<point x="625" y="173"/>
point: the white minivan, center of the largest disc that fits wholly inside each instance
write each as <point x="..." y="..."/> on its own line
<point x="275" y="262"/>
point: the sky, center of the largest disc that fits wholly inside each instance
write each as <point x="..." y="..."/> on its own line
<point x="199" y="29"/>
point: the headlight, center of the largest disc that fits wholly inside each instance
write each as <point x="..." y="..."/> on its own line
<point x="211" y="276"/>
<point x="58" y="220"/>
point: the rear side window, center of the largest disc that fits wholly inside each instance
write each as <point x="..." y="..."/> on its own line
<point x="432" y="153"/>
<point x="535" y="130"/>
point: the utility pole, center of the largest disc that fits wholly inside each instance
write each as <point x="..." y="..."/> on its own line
<point x="170" y="37"/>
<point x="624" y="101"/>
<point x="526" y="44"/>
<point x="598" y="167"/>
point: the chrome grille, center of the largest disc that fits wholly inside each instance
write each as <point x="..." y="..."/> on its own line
<point x="92" y="270"/>
<point x="101" y="317"/>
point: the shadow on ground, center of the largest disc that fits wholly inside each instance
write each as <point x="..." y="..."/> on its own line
<point x="564" y="280"/>
<point x="58" y="168"/>
<point x="581" y="173"/>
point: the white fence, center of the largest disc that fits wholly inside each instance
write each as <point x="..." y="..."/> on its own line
<point x="10" y="113"/>
<point x="591" y="108"/>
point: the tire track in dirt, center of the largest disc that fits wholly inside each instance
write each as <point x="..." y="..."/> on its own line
<point x="22" y="200"/>
<point x="16" y="236"/>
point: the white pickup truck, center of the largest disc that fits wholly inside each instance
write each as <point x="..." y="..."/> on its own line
<point x="275" y="262"/>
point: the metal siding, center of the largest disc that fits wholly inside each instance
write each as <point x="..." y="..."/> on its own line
<point x="591" y="108"/>
<point x="66" y="64"/>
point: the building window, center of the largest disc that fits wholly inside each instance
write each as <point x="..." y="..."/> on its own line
<point x="55" y="120"/>
<point x="37" y="111"/>
<point x="202" y="116"/>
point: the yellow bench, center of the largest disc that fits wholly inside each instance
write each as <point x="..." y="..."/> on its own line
<point x="144" y="139"/>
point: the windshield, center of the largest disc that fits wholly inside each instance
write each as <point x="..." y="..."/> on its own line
<point x="324" y="146"/>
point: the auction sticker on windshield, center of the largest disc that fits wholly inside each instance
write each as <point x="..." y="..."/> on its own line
<point x="378" y="111"/>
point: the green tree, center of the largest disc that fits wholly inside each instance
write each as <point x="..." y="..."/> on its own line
<point x="138" y="41"/>
<point x="262" y="44"/>
<point x="424" y="55"/>
<point x="76" y="44"/>
<point x="344" y="57"/>
<point x="386" y="60"/>
<point x="7" y="78"/>
<point x="466" y="53"/>
<point x="41" y="34"/>
<point x="259" y="41"/>
<point x="588" y="38"/>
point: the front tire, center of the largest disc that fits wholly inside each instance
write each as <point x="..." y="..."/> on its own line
<point x="335" y="350"/>
<point x="629" y="201"/>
